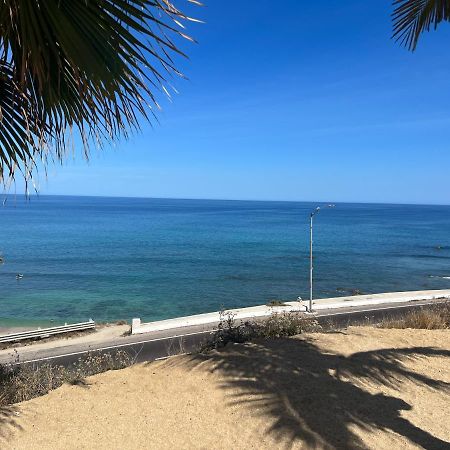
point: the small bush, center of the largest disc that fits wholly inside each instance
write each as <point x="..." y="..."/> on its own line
<point x="276" y="326"/>
<point x="288" y="324"/>
<point x="431" y="318"/>
<point x="24" y="382"/>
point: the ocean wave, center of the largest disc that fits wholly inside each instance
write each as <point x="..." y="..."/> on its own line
<point x="440" y="276"/>
<point x="421" y="256"/>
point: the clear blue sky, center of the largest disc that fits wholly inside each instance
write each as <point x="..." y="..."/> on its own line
<point x="290" y="100"/>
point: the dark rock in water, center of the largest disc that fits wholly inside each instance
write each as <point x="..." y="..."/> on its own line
<point x="350" y="291"/>
<point x="357" y="292"/>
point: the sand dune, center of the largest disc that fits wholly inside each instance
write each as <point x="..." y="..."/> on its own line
<point x="362" y="388"/>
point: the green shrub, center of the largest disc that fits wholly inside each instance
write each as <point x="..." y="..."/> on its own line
<point x="276" y="326"/>
<point x="288" y="324"/>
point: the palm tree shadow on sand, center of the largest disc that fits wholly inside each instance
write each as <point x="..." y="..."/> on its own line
<point x="309" y="394"/>
<point x="8" y="421"/>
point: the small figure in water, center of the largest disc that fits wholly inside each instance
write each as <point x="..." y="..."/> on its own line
<point x="19" y="276"/>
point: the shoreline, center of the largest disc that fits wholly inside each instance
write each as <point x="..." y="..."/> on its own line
<point x="255" y="312"/>
<point x="155" y="340"/>
<point x="242" y="312"/>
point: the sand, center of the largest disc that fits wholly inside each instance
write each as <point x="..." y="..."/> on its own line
<point x="361" y="388"/>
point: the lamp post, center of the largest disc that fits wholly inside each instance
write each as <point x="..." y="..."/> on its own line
<point x="311" y="265"/>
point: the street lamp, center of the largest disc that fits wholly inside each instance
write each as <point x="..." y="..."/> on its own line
<point x="311" y="254"/>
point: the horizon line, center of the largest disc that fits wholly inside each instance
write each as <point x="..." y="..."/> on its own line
<point x="227" y="199"/>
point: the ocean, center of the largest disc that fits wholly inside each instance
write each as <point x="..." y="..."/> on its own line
<point x="119" y="258"/>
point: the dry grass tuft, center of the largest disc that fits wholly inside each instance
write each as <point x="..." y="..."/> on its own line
<point x="24" y="382"/>
<point x="431" y="318"/>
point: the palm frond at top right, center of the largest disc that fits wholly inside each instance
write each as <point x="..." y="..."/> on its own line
<point x="412" y="17"/>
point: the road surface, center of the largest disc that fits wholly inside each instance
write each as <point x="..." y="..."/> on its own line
<point x="157" y="345"/>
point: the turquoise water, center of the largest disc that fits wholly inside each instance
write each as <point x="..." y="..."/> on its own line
<point x="114" y="258"/>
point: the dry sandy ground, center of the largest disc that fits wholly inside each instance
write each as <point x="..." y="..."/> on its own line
<point x="362" y="388"/>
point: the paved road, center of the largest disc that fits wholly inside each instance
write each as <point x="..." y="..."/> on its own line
<point x="152" y="346"/>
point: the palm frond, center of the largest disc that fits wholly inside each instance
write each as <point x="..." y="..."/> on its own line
<point x="412" y="17"/>
<point x="23" y="131"/>
<point x="93" y="66"/>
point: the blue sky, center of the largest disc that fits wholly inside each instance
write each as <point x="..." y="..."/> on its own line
<point x="289" y="100"/>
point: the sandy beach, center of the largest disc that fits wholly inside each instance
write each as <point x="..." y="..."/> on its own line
<point x="361" y="388"/>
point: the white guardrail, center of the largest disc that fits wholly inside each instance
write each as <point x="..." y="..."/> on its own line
<point x="41" y="333"/>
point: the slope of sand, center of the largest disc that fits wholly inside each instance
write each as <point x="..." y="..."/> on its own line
<point x="362" y="388"/>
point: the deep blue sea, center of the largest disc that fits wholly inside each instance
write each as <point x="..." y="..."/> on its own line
<point x="118" y="258"/>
